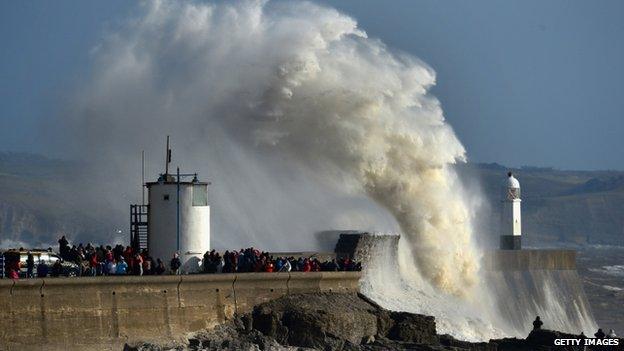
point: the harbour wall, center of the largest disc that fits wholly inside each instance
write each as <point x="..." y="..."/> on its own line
<point x="104" y="313"/>
<point x="545" y="283"/>
<point x="529" y="259"/>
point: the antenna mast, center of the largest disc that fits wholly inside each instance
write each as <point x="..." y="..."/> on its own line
<point x="167" y="160"/>
<point x="143" y="177"/>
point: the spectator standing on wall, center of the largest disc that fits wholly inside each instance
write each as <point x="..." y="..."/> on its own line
<point x="316" y="265"/>
<point x="307" y="267"/>
<point x="175" y="264"/>
<point x="13" y="274"/>
<point x="109" y="254"/>
<point x="111" y="267"/>
<point x="279" y="264"/>
<point x="118" y="251"/>
<point x="63" y="247"/>
<point x="332" y="266"/>
<point x="93" y="264"/>
<point x="160" y="267"/>
<point x="147" y="266"/>
<point x="14" y="268"/>
<point x="208" y="263"/>
<point x="138" y="264"/>
<point x="42" y="270"/>
<point x="57" y="268"/>
<point x="30" y="265"/>
<point x="269" y="263"/>
<point x="219" y="261"/>
<point x="122" y="267"/>
<point x="79" y="259"/>
<point x="286" y="267"/>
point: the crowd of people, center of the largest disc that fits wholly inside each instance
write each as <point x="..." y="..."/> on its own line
<point x="253" y="260"/>
<point x="91" y="260"/>
<point x="110" y="260"/>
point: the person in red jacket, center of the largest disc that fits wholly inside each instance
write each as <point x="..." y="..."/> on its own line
<point x="269" y="267"/>
<point x="307" y="267"/>
<point x="14" y="268"/>
<point x="93" y="263"/>
<point x="138" y="264"/>
<point x="316" y="267"/>
<point x="13" y="274"/>
<point x="109" y="255"/>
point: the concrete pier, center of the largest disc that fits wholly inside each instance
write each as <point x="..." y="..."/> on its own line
<point x="104" y="313"/>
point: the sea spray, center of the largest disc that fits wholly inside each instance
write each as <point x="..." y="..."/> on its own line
<point x="556" y="296"/>
<point x="397" y="286"/>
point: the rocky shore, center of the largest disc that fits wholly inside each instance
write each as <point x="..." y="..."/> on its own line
<point x="329" y="321"/>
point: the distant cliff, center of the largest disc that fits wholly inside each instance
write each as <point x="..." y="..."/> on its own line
<point x="37" y="203"/>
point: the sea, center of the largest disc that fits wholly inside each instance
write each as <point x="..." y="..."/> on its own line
<point x="602" y="271"/>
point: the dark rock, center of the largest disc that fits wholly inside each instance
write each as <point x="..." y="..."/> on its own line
<point x="244" y="322"/>
<point x="304" y="329"/>
<point x="448" y="340"/>
<point x="385" y="323"/>
<point x="266" y="321"/>
<point x="193" y="342"/>
<point x="323" y="321"/>
<point x="414" y="328"/>
<point x="153" y="347"/>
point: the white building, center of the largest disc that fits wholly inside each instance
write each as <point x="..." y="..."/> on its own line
<point x="511" y="221"/>
<point x="179" y="220"/>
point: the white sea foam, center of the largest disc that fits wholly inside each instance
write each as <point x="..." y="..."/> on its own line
<point x="615" y="270"/>
<point x="612" y="288"/>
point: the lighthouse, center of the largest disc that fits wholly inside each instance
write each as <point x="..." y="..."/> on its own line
<point x="178" y="217"/>
<point x="511" y="222"/>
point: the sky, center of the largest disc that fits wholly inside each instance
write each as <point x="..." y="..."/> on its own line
<point x="536" y="83"/>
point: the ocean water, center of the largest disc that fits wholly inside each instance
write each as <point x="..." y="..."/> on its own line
<point x="602" y="271"/>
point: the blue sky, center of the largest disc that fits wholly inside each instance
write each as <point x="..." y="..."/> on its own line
<point x="522" y="82"/>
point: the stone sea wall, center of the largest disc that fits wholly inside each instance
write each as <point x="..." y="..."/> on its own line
<point x="104" y="313"/>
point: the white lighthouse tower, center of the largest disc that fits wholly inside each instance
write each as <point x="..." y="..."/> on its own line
<point x="511" y="221"/>
<point x="178" y="218"/>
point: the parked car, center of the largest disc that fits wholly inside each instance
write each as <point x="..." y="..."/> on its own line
<point x="48" y="257"/>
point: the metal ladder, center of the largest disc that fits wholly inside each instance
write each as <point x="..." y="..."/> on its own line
<point x="139" y="229"/>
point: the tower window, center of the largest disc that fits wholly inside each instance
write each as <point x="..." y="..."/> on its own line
<point x="200" y="195"/>
<point x="166" y="197"/>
